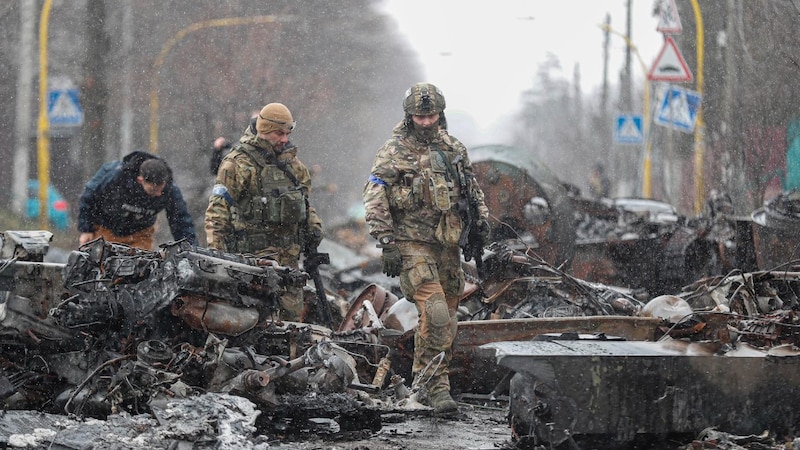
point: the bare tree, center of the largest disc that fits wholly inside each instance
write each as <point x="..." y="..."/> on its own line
<point x="94" y="89"/>
<point x="340" y="66"/>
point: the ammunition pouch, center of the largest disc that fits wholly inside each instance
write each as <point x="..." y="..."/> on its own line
<point x="282" y="206"/>
<point x="406" y="194"/>
<point x="440" y="191"/>
<point x="448" y="231"/>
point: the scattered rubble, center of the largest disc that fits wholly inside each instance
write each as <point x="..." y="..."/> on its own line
<point x="184" y="346"/>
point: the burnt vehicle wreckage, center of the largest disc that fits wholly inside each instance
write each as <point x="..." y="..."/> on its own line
<point x="131" y="326"/>
<point x="117" y="330"/>
<point x="600" y="324"/>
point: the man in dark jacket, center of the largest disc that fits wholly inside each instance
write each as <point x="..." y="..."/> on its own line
<point x="121" y="203"/>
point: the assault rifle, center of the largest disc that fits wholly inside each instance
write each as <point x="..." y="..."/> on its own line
<point x="311" y="266"/>
<point x="470" y="241"/>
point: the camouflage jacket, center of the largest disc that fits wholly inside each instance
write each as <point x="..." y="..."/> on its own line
<point x="410" y="187"/>
<point x="240" y="179"/>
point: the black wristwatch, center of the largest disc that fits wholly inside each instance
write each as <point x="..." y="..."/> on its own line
<point x="386" y="240"/>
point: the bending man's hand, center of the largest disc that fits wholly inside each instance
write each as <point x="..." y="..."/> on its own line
<point x="84" y="238"/>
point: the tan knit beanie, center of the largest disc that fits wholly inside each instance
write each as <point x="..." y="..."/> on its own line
<point x="274" y="116"/>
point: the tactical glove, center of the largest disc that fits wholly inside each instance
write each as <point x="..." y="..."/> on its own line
<point x="483" y="230"/>
<point x="391" y="260"/>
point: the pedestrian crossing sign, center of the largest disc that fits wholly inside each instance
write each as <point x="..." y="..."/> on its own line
<point x="677" y="109"/>
<point x="668" y="20"/>
<point x="63" y="108"/>
<point x="628" y="129"/>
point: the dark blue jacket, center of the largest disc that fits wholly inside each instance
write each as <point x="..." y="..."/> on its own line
<point x="115" y="200"/>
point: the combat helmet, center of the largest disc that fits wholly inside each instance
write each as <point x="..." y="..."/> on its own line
<point x="423" y="99"/>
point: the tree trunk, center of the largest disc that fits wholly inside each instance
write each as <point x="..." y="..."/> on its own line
<point x="95" y="88"/>
<point x="23" y="108"/>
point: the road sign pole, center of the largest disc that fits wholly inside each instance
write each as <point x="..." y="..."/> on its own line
<point x="647" y="177"/>
<point x="700" y="126"/>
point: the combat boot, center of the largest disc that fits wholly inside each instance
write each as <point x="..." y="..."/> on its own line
<point x="443" y="404"/>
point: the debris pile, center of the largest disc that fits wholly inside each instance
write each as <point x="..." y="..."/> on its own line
<point x="130" y="329"/>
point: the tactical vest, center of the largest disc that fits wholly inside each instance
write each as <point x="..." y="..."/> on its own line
<point x="430" y="187"/>
<point x="433" y="185"/>
<point x="272" y="215"/>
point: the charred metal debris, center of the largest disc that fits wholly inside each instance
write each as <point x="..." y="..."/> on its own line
<point x="724" y="356"/>
<point x="117" y="330"/>
<point x="634" y="336"/>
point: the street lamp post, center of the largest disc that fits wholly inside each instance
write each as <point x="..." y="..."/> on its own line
<point x="43" y="124"/>
<point x="177" y="37"/>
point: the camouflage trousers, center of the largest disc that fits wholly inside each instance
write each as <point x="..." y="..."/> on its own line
<point x="432" y="278"/>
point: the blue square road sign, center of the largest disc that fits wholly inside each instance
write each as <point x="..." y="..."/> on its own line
<point x="63" y="108"/>
<point x="628" y="129"/>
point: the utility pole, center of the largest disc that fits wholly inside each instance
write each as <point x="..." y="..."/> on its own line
<point x="602" y="125"/>
<point x="626" y="164"/>
<point x="626" y="102"/>
<point x="606" y="42"/>
<point x="22" y="133"/>
<point x="126" y="121"/>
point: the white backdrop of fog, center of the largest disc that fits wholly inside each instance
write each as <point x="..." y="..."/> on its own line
<point x="483" y="56"/>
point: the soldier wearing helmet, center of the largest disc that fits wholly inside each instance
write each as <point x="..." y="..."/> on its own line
<point x="259" y="204"/>
<point x="410" y="200"/>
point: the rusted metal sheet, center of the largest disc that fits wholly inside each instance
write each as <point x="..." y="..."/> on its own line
<point x="527" y="199"/>
<point x="618" y="393"/>
<point x="593" y="262"/>
<point x="775" y="237"/>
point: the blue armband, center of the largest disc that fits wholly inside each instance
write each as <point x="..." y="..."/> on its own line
<point x="376" y="180"/>
<point x="222" y="191"/>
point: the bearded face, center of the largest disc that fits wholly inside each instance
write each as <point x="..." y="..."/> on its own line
<point x="426" y="127"/>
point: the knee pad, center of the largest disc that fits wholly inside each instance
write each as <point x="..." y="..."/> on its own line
<point x="440" y="332"/>
<point x="436" y="310"/>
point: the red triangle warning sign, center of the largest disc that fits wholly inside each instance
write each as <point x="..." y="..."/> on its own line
<point x="669" y="65"/>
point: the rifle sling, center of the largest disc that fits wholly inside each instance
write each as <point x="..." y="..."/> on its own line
<point x="450" y="169"/>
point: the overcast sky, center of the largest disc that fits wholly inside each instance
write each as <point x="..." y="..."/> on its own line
<point x="483" y="55"/>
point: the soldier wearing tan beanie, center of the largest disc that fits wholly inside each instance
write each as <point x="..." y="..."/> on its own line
<point x="274" y="116"/>
<point x="260" y="202"/>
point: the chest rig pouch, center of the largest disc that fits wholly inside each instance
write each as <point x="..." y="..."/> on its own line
<point x="443" y="190"/>
<point x="440" y="183"/>
<point x="280" y="199"/>
<point x="279" y="203"/>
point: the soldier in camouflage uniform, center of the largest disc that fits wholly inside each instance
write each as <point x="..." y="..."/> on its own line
<point x="410" y="200"/>
<point x="259" y="203"/>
